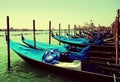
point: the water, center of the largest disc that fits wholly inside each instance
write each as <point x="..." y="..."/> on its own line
<point x="21" y="71"/>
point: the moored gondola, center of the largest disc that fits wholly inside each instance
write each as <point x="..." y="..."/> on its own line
<point x="80" y="43"/>
<point x="34" y="57"/>
<point x="99" y="52"/>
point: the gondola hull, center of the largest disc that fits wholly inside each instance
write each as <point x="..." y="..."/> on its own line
<point x="83" y="76"/>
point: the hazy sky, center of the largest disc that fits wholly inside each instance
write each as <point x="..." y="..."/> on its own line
<point x="22" y="12"/>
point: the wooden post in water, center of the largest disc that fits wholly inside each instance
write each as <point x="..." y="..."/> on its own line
<point x="8" y="43"/>
<point x="49" y="32"/>
<point x="59" y="32"/>
<point x="69" y="29"/>
<point x="117" y="39"/>
<point x="34" y="33"/>
<point x="79" y="31"/>
<point x="74" y="30"/>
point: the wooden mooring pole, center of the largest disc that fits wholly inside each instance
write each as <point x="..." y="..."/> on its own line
<point x="59" y="33"/>
<point x="8" y="43"/>
<point x="34" y="33"/>
<point x="69" y="29"/>
<point x="74" y="30"/>
<point x="117" y="38"/>
<point x="49" y="32"/>
<point x="79" y="30"/>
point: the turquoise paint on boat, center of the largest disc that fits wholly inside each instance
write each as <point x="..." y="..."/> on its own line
<point x="86" y="41"/>
<point x="39" y="55"/>
<point x="45" y="46"/>
<point x="72" y="40"/>
<point x="26" y="51"/>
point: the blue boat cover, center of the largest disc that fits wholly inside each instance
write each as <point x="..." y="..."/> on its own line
<point x="51" y="56"/>
<point x="95" y="41"/>
<point x="72" y="40"/>
<point x="60" y="48"/>
<point x="26" y="51"/>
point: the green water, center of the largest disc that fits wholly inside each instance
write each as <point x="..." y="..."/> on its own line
<point x="21" y="71"/>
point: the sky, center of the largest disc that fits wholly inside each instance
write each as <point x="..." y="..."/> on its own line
<point x="22" y="12"/>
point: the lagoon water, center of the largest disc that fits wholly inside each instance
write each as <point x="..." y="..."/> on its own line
<point x="22" y="71"/>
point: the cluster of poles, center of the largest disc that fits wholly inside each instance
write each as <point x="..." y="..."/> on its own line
<point x="50" y="32"/>
<point x="34" y="37"/>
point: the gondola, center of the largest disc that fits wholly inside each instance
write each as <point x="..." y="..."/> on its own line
<point x="103" y="55"/>
<point x="108" y="41"/>
<point x="75" y="42"/>
<point x="81" y="42"/>
<point x="41" y="45"/>
<point x="28" y="53"/>
<point x="76" y="36"/>
<point x="45" y="46"/>
<point x="96" y="51"/>
<point x="34" y="57"/>
<point x="64" y="49"/>
<point x="101" y="51"/>
<point x="108" y="38"/>
<point x="111" y="42"/>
